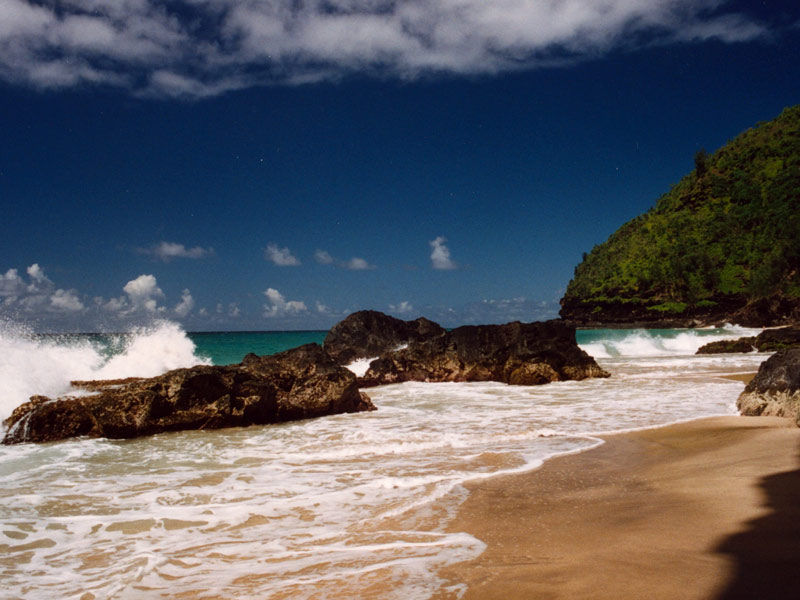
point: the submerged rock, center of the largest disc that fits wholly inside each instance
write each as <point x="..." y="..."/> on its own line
<point x="369" y="333"/>
<point x="775" y="390"/>
<point x="770" y="340"/>
<point x="296" y="384"/>
<point x="515" y="353"/>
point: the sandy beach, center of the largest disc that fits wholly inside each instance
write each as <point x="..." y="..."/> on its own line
<point x="705" y="509"/>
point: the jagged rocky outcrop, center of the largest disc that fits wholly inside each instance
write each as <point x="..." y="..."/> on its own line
<point x="369" y="333"/>
<point x="775" y="390"/>
<point x="296" y="384"/>
<point x="515" y="353"/>
<point x="769" y="340"/>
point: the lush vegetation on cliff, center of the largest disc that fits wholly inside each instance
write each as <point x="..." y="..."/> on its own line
<point x="729" y="230"/>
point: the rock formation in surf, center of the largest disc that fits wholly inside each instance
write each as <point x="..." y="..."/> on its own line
<point x="515" y="353"/>
<point x="775" y="390"/>
<point x="369" y="333"/>
<point x="770" y="340"/>
<point x="296" y="384"/>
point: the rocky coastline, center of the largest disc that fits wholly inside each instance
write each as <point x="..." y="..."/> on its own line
<point x="770" y="340"/>
<point x="308" y="381"/>
<point x="296" y="384"/>
<point x="775" y="390"/>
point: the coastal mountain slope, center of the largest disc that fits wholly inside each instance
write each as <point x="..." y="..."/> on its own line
<point x="722" y="245"/>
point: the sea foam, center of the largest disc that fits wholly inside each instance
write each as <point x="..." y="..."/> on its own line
<point x="45" y="365"/>
<point x="650" y="343"/>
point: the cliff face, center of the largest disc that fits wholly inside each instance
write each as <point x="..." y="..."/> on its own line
<point x="722" y="245"/>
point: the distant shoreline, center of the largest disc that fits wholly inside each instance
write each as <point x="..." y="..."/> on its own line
<point x="683" y="511"/>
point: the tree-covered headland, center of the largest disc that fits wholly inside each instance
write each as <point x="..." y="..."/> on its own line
<point x="722" y="244"/>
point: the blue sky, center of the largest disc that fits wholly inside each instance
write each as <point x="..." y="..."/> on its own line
<point x="278" y="165"/>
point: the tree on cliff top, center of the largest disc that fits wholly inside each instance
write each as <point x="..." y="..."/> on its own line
<point x="729" y="229"/>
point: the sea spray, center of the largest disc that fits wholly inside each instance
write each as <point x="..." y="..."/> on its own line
<point x="33" y="364"/>
<point x="612" y="343"/>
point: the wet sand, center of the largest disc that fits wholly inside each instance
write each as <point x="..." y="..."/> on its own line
<point x="706" y="509"/>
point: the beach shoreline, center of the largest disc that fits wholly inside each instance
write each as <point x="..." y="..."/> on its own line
<point x="702" y="509"/>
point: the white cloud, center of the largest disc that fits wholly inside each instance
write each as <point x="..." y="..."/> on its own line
<point x="440" y="255"/>
<point x="281" y="257"/>
<point x="323" y="258"/>
<point x="198" y="49"/>
<point x="66" y="300"/>
<point x="185" y="306"/>
<point x="166" y="251"/>
<point x="142" y="293"/>
<point x="403" y="308"/>
<point x="279" y="307"/>
<point x="115" y="305"/>
<point x="37" y="274"/>
<point x="37" y="296"/>
<point x="11" y="284"/>
<point x="358" y="264"/>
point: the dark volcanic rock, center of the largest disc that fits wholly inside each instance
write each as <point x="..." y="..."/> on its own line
<point x="296" y="384"/>
<point x="744" y="345"/>
<point x="370" y="333"/>
<point x="515" y="353"/>
<point x="770" y="340"/>
<point x="775" y="390"/>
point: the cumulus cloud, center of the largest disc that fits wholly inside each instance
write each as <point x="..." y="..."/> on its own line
<point x="197" y="49"/>
<point x="143" y="292"/>
<point x="278" y="306"/>
<point x="142" y="297"/>
<point x="166" y="251"/>
<point x="403" y="308"/>
<point x="185" y="306"/>
<point x="440" y="255"/>
<point x="37" y="274"/>
<point x="37" y="295"/>
<point x="281" y="257"/>
<point x="66" y="301"/>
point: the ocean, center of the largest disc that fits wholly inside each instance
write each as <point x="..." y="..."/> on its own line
<point x="349" y="506"/>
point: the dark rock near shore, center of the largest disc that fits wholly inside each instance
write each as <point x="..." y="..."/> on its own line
<point x="515" y="353"/>
<point x="770" y="340"/>
<point x="369" y="333"/>
<point x="775" y="390"/>
<point x="300" y="383"/>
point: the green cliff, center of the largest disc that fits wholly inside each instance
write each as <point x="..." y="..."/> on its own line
<point x="722" y="244"/>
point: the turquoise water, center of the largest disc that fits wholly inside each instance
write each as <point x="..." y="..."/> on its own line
<point x="225" y="348"/>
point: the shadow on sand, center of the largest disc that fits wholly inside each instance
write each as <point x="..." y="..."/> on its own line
<point x="767" y="553"/>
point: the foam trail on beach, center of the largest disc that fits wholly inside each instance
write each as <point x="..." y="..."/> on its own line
<point x="45" y="364"/>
